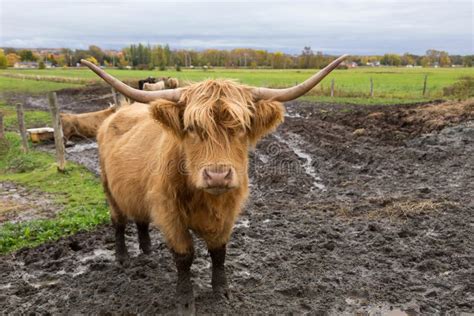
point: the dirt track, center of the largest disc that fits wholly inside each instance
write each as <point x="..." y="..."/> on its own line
<point x="341" y="220"/>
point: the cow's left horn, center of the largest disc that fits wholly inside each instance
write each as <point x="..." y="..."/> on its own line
<point x="132" y="93"/>
<point x="297" y="91"/>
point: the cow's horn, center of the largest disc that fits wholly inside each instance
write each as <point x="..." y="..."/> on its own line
<point x="292" y="93"/>
<point x="132" y="93"/>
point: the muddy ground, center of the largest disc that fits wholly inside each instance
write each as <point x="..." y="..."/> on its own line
<point x="354" y="210"/>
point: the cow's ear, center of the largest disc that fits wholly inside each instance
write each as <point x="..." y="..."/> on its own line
<point x="267" y="116"/>
<point x="169" y="115"/>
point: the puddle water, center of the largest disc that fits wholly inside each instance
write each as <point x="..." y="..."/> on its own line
<point x="82" y="147"/>
<point x="294" y="143"/>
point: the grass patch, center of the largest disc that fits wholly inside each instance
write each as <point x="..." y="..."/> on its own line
<point x="33" y="118"/>
<point x="391" y="85"/>
<point x="15" y="85"/>
<point x="78" y="190"/>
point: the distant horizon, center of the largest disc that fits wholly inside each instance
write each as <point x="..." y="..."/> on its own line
<point x="230" y="48"/>
<point x="357" y="27"/>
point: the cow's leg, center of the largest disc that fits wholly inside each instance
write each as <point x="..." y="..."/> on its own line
<point x="144" y="237"/>
<point x="121" y="253"/>
<point x="119" y="220"/>
<point x="219" y="277"/>
<point x="184" y="286"/>
<point x="180" y="243"/>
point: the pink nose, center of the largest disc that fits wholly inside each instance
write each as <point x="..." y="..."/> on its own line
<point x="218" y="176"/>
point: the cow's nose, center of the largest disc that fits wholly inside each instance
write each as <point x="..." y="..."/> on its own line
<point x="218" y="176"/>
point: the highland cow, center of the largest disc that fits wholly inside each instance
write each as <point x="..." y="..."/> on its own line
<point x="84" y="125"/>
<point x="179" y="159"/>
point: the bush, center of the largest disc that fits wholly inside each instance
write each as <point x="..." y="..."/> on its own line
<point x="178" y="67"/>
<point x="41" y="65"/>
<point x="461" y="89"/>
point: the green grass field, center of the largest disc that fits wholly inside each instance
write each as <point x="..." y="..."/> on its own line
<point x="78" y="191"/>
<point x="391" y="85"/>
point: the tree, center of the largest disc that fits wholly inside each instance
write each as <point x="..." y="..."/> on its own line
<point x="305" y="57"/>
<point x="444" y="60"/>
<point x="3" y="60"/>
<point x="27" y="55"/>
<point x="278" y="60"/>
<point x="425" y="61"/>
<point x="97" y="53"/>
<point x="468" y="61"/>
<point x="408" y="59"/>
<point x="391" y="60"/>
<point x="12" y="59"/>
<point x="92" y="60"/>
<point x="68" y="56"/>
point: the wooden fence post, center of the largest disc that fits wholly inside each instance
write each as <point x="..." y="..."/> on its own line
<point x="332" y="87"/>
<point x="21" y="126"/>
<point x="1" y="126"/>
<point x="114" y="96"/>
<point x="424" y="85"/>
<point x="58" y="131"/>
<point x="371" y="87"/>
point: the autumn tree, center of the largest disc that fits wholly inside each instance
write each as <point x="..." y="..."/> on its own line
<point x="12" y="59"/>
<point x="92" y="60"/>
<point x="97" y="53"/>
<point x="408" y="59"/>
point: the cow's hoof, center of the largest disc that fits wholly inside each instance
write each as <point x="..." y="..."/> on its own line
<point x="186" y="305"/>
<point x="123" y="259"/>
<point x="146" y="249"/>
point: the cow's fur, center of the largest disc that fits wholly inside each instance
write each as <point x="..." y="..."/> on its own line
<point x="171" y="83"/>
<point x="160" y="85"/>
<point x="84" y="125"/>
<point x="152" y="84"/>
<point x="152" y="155"/>
<point x="143" y="81"/>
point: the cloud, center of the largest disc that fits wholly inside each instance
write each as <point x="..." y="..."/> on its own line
<point x="356" y="26"/>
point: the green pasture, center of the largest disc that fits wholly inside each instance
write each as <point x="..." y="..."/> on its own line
<point x="78" y="192"/>
<point x="391" y="85"/>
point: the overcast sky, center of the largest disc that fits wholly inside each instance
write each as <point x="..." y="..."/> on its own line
<point x="334" y="27"/>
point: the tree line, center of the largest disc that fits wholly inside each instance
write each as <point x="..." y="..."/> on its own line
<point x="145" y="56"/>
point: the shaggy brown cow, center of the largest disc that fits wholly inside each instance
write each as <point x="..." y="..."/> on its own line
<point x="179" y="160"/>
<point x="84" y="125"/>
<point x="163" y="83"/>
<point x="160" y="85"/>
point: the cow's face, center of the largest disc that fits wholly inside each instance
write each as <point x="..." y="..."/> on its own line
<point x="67" y="125"/>
<point x="216" y="125"/>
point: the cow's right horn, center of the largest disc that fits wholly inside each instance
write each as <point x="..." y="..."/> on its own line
<point x="132" y="93"/>
<point x="292" y="93"/>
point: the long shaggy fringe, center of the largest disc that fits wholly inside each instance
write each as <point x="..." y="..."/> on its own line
<point x="215" y="108"/>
